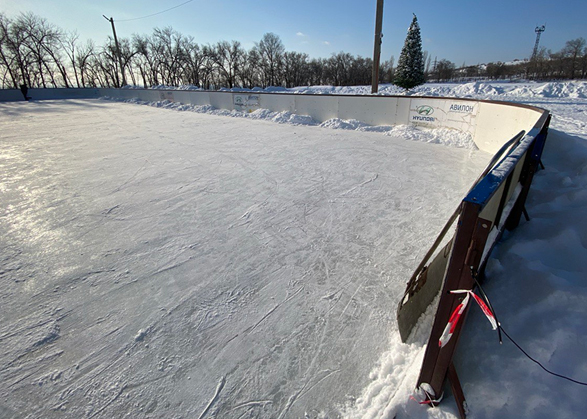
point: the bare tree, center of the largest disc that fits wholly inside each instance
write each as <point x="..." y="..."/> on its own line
<point x="573" y="50"/>
<point x="316" y="72"/>
<point x="271" y="51"/>
<point x="167" y="44"/>
<point x="388" y="70"/>
<point x="127" y="53"/>
<point x="584" y="64"/>
<point x="45" y="41"/>
<point x="444" y="70"/>
<point x="227" y="58"/>
<point x="7" y="59"/>
<point x="69" y="45"/>
<point x="250" y="69"/>
<point x="360" y="71"/>
<point x="295" y="68"/>
<point x="194" y="58"/>
<point x="82" y="63"/>
<point x="557" y="61"/>
<point x="144" y="60"/>
<point x="19" y="59"/>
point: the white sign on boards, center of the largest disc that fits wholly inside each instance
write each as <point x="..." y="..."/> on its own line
<point x="246" y="103"/>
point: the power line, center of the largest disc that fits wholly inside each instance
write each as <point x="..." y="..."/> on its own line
<point x="155" y="14"/>
<point x="539" y="364"/>
<point x="501" y="330"/>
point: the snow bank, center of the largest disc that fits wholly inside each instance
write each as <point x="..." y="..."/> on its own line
<point x="551" y="90"/>
<point x="477" y="90"/>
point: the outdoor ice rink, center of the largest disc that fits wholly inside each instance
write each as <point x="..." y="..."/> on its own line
<point x="157" y="263"/>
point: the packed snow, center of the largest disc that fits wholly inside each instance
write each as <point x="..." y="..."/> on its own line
<point x="206" y="263"/>
<point x="511" y="91"/>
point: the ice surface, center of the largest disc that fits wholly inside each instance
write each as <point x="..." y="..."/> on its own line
<point x="158" y="263"/>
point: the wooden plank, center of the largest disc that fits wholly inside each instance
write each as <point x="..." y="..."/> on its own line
<point x="467" y="252"/>
<point x="457" y="390"/>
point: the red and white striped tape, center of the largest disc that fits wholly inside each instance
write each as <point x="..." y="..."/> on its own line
<point x="458" y="311"/>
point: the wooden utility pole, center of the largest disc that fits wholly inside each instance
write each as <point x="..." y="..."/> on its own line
<point x="111" y="20"/>
<point x="377" y="47"/>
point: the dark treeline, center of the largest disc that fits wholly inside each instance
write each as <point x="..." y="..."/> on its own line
<point x="40" y="54"/>
<point x="568" y="63"/>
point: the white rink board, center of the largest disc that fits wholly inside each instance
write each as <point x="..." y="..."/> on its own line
<point x="491" y="124"/>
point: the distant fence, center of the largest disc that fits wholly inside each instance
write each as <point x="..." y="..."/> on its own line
<point x="515" y="134"/>
<point x="14" y="95"/>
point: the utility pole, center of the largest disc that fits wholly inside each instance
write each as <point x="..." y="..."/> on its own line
<point x="111" y="20"/>
<point x="377" y="47"/>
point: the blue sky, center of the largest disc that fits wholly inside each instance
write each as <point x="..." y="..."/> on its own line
<point x="468" y="32"/>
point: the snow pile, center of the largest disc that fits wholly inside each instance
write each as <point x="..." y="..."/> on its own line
<point x="182" y="87"/>
<point x="501" y="91"/>
<point x="444" y="136"/>
<point x="279" y="117"/>
<point x="530" y="90"/>
<point x="332" y="90"/>
<point x="392" y="382"/>
<point x="562" y="90"/>
<point x="337" y="123"/>
<point x="476" y="89"/>
<point x="479" y="90"/>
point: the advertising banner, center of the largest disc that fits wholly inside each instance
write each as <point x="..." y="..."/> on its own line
<point x="245" y="103"/>
<point x="434" y="113"/>
<point x="166" y="95"/>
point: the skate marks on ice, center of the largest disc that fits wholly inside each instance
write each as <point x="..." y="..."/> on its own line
<point x="163" y="263"/>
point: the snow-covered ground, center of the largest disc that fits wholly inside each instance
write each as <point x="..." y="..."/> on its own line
<point x="158" y="263"/>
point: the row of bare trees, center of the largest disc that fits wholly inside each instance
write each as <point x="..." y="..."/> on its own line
<point x="568" y="63"/>
<point x="38" y="53"/>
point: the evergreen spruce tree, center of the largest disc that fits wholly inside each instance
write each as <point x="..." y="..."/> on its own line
<point x="410" y="67"/>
